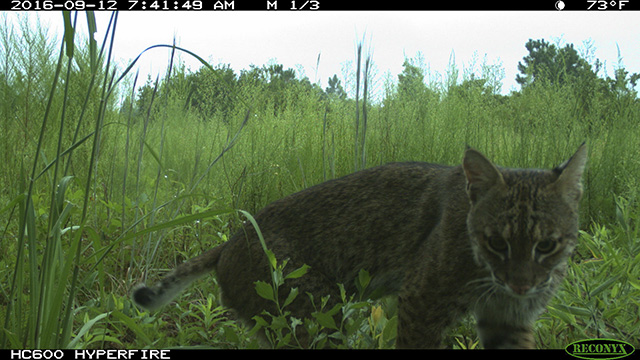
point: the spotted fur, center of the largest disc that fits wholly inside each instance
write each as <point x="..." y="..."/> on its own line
<point x="446" y="240"/>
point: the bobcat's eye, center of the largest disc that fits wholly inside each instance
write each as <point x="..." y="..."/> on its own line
<point x="545" y="246"/>
<point x="498" y="244"/>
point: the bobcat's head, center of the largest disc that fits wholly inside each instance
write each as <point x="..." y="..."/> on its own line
<point x="523" y="223"/>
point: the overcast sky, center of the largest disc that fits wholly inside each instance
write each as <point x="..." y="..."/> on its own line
<point x="296" y="39"/>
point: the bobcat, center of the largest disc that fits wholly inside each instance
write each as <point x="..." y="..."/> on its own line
<point x="445" y="240"/>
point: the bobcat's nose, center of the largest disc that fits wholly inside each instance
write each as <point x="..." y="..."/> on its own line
<point x="520" y="289"/>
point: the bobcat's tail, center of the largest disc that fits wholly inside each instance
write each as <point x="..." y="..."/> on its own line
<point x="158" y="295"/>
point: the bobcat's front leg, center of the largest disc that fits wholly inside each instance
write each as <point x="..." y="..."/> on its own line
<point x="507" y="323"/>
<point x="423" y="317"/>
<point x="494" y="335"/>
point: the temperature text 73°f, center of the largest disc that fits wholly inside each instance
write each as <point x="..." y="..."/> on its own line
<point x="607" y="4"/>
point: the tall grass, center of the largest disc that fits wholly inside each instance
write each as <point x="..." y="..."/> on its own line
<point x="103" y="181"/>
<point x="47" y="326"/>
<point x="40" y="308"/>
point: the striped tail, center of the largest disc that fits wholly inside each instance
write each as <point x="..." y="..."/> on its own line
<point x="160" y="294"/>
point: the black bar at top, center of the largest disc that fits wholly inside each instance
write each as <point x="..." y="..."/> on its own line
<point x="322" y="5"/>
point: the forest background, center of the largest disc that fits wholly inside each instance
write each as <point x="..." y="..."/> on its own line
<point x="107" y="179"/>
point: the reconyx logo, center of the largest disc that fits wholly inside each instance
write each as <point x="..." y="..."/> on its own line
<point x="599" y="349"/>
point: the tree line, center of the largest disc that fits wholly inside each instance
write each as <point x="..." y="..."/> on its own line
<point x="213" y="93"/>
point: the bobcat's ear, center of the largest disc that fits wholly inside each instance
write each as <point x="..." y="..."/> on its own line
<point x="481" y="174"/>
<point x="569" y="182"/>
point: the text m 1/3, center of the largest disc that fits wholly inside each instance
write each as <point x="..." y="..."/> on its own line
<point x="295" y="5"/>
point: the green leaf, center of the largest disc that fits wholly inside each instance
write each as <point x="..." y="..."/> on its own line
<point x="609" y="282"/>
<point x="633" y="281"/>
<point x="69" y="33"/>
<point x="326" y="320"/>
<point x="61" y="190"/>
<point x="134" y="327"/>
<point x="260" y="322"/>
<point x="390" y="331"/>
<point x="364" y="278"/>
<point x="264" y="290"/>
<point x="270" y="256"/>
<point x="13" y="203"/>
<point x="575" y="310"/>
<point x="85" y="328"/>
<point x="231" y="336"/>
<point x="334" y="310"/>
<point x="91" y="24"/>
<point x="292" y="296"/>
<point x="298" y="272"/>
<point x="562" y="315"/>
<point x="277" y="277"/>
<point x="362" y="282"/>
